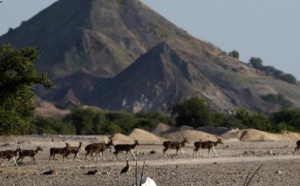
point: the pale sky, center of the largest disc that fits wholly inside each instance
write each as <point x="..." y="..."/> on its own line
<point x="266" y="29"/>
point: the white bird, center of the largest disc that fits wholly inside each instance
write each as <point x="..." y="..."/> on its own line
<point x="148" y="182"/>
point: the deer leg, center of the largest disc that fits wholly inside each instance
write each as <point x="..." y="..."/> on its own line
<point x="215" y="151"/>
<point x="133" y="154"/>
<point x="208" y="153"/>
<point x="14" y="161"/>
<point x="49" y="158"/>
<point x="101" y="155"/>
<point x="94" y="158"/>
<point x="176" y="152"/>
<point x="19" y="158"/>
<point x="53" y="156"/>
<point x="164" y="152"/>
<point x="78" y="158"/>
<point x="182" y="152"/>
<point x="126" y="155"/>
<point x="296" y="149"/>
<point x="115" y="154"/>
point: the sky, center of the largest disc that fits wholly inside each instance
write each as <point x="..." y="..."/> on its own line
<point x="266" y="29"/>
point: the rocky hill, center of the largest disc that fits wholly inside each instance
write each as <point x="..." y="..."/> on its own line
<point x="122" y="55"/>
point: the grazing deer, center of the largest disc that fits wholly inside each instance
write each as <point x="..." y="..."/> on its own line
<point x="97" y="148"/>
<point x="297" y="148"/>
<point x="30" y="153"/>
<point x="73" y="150"/>
<point x="206" y="145"/>
<point x="9" y="154"/>
<point x="125" y="147"/>
<point x="61" y="151"/>
<point x="174" y="145"/>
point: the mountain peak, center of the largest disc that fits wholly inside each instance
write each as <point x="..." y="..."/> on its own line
<point x="119" y="54"/>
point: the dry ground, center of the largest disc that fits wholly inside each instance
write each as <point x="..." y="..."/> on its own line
<point x="235" y="161"/>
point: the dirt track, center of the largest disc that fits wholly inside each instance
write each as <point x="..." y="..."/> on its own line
<point x="235" y="161"/>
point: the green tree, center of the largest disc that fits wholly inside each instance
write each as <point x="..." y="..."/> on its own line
<point x="234" y="54"/>
<point x="85" y="120"/>
<point x="288" y="78"/>
<point x="289" y="118"/>
<point x="51" y="125"/>
<point x="256" y="63"/>
<point x="18" y="75"/>
<point x="126" y="121"/>
<point x="192" y="112"/>
<point x="277" y="99"/>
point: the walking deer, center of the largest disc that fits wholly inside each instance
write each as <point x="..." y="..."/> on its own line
<point x="297" y="147"/>
<point x="97" y="148"/>
<point x="61" y="151"/>
<point x="125" y="147"/>
<point x="174" y="145"/>
<point x="206" y="145"/>
<point x="30" y="153"/>
<point x="73" y="150"/>
<point x="10" y="154"/>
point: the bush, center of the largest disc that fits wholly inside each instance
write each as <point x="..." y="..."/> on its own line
<point x="234" y="54"/>
<point x="192" y="112"/>
<point x="277" y="99"/>
<point x="256" y="63"/>
<point x="288" y="78"/>
<point x="50" y="125"/>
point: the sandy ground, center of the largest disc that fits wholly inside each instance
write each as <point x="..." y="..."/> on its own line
<point x="235" y="162"/>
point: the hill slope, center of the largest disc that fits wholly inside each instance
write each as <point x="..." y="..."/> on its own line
<point x="122" y="55"/>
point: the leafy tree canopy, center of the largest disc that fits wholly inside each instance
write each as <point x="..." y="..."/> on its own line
<point x="193" y="112"/>
<point x="18" y="75"/>
<point x="256" y="62"/>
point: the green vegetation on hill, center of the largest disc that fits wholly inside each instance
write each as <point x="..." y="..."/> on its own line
<point x="272" y="71"/>
<point x="88" y="121"/>
<point x="192" y="112"/>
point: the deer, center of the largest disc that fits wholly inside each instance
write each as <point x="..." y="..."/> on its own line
<point x="30" y="153"/>
<point x="61" y="151"/>
<point x="297" y="147"/>
<point x="97" y="148"/>
<point x="73" y="150"/>
<point x="125" y="147"/>
<point x="206" y="145"/>
<point x="10" y="154"/>
<point x="174" y="145"/>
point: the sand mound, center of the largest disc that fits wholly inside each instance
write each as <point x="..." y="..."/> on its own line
<point x="121" y="138"/>
<point x="163" y="129"/>
<point x="192" y="135"/>
<point x="213" y="130"/>
<point x="145" y="137"/>
<point x="256" y="135"/>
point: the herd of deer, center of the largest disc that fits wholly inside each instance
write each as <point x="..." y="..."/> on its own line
<point x="97" y="148"/>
